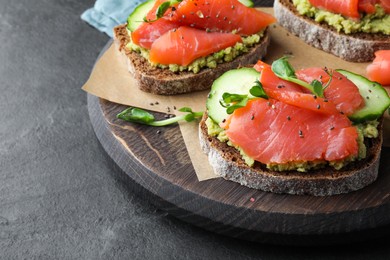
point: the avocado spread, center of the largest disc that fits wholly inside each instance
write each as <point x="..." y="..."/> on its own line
<point x="210" y="61"/>
<point x="378" y="22"/>
<point x="365" y="130"/>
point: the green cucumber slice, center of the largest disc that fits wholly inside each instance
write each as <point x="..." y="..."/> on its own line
<point x="237" y="81"/>
<point x="137" y="16"/>
<point x="376" y="98"/>
<point x="247" y="3"/>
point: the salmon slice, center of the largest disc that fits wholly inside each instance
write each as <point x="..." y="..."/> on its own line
<point x="379" y="69"/>
<point x="342" y="92"/>
<point x="222" y="15"/>
<point x="293" y="94"/>
<point x="347" y="8"/>
<point x="386" y="5"/>
<point x="367" y="6"/>
<point x="183" y="45"/>
<point x="147" y="33"/>
<point x="274" y="132"/>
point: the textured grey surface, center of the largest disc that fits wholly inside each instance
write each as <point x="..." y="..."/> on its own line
<point x="61" y="196"/>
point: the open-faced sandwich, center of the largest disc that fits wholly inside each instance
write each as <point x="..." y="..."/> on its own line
<point x="314" y="131"/>
<point x="180" y="46"/>
<point x="350" y="29"/>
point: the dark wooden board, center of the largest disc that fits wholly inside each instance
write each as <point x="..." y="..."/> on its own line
<point x="157" y="160"/>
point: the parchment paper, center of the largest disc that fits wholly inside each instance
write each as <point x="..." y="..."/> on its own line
<point x="111" y="80"/>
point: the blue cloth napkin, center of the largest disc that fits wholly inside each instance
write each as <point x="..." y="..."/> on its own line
<point x="106" y="14"/>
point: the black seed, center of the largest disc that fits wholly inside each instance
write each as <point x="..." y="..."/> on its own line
<point x="158" y="132"/>
<point x="325" y="100"/>
<point x="369" y="90"/>
<point x="341" y="112"/>
<point x="223" y="121"/>
<point x="288" y="118"/>
<point x="314" y="96"/>
<point x="174" y="107"/>
<point x="173" y="8"/>
<point x="332" y="128"/>
<point x="156" y="103"/>
<point x="151" y="104"/>
<point x="232" y="6"/>
<point x="253" y="117"/>
<point x="367" y="97"/>
<point x="225" y="18"/>
<point x="318" y="106"/>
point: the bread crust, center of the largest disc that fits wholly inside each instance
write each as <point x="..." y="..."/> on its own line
<point x="165" y="82"/>
<point x="227" y="163"/>
<point x="358" y="47"/>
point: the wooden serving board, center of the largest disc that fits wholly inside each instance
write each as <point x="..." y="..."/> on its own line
<point x="157" y="160"/>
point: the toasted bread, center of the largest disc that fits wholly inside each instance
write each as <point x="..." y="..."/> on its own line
<point x="356" y="47"/>
<point x="165" y="82"/>
<point x="228" y="163"/>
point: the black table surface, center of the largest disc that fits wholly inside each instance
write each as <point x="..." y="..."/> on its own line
<point x="61" y="196"/>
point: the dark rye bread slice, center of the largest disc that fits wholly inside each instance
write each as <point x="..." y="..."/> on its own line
<point x="165" y="82"/>
<point x="357" y="47"/>
<point x="228" y="163"/>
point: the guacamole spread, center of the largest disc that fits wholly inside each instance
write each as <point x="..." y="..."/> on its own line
<point x="378" y="22"/>
<point x="365" y="130"/>
<point x="210" y="61"/>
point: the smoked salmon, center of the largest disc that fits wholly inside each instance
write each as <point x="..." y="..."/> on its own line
<point x="367" y="6"/>
<point x="379" y="69"/>
<point x="340" y="95"/>
<point x="347" y="8"/>
<point x="222" y="15"/>
<point x="190" y="29"/>
<point x="351" y="8"/>
<point x="147" y="33"/>
<point x="340" y="91"/>
<point x="183" y="45"/>
<point x="294" y="94"/>
<point x="270" y="131"/>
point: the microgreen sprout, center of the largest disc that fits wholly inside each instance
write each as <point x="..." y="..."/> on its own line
<point x="140" y="116"/>
<point x="160" y="11"/>
<point x="283" y="69"/>
<point x="233" y="101"/>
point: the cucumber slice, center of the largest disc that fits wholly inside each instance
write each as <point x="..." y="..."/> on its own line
<point x="137" y="16"/>
<point x="238" y="81"/>
<point x="247" y="3"/>
<point x="375" y="96"/>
